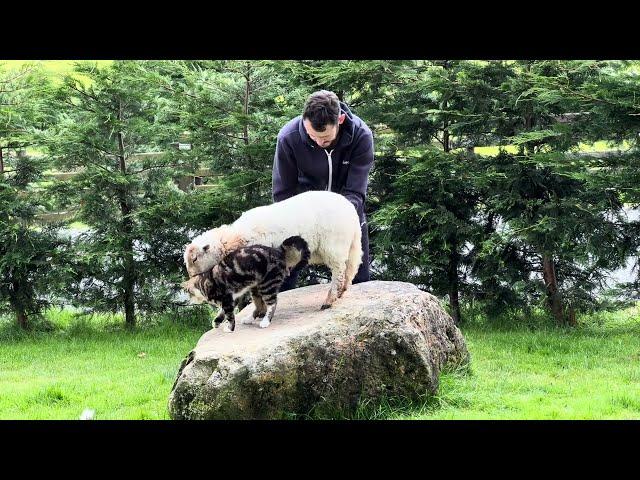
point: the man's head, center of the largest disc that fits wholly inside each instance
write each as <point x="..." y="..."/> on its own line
<point x="321" y="117"/>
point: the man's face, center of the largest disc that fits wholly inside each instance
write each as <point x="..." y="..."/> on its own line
<point x="325" y="138"/>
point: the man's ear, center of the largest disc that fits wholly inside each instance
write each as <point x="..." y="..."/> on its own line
<point x="341" y="118"/>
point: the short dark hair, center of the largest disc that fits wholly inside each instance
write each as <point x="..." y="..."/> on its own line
<point x="321" y="109"/>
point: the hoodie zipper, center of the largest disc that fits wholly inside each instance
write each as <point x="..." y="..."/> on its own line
<point x="329" y="159"/>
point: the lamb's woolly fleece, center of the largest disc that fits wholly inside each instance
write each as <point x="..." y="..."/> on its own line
<point x="326" y="220"/>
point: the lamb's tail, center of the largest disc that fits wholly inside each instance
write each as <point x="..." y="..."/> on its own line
<point x="296" y="252"/>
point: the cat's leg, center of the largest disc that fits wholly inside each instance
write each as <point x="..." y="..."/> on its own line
<point x="261" y="307"/>
<point x="229" y="317"/>
<point x="242" y="301"/>
<point x="269" y="295"/>
<point x="219" y="318"/>
<point x="268" y="290"/>
<point x="271" y="308"/>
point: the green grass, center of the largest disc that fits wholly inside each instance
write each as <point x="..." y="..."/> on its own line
<point x="522" y="369"/>
<point x="95" y="364"/>
<point x="54" y="69"/>
<point x="600" y="146"/>
<point x="589" y="372"/>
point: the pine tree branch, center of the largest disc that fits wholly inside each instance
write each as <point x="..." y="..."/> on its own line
<point x="152" y="167"/>
<point x="106" y="152"/>
<point x="83" y="107"/>
<point x="177" y="92"/>
<point x="22" y="73"/>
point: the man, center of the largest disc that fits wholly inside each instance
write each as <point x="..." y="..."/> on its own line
<point x="325" y="148"/>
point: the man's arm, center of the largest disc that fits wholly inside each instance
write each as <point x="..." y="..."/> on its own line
<point x="284" y="177"/>
<point x="355" y="187"/>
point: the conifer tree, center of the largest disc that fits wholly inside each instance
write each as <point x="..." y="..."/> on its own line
<point x="29" y="253"/>
<point x="109" y="117"/>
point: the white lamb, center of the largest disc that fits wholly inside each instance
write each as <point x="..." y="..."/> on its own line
<point x="326" y="220"/>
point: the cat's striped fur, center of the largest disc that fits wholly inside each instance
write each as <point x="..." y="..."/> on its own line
<point x="256" y="268"/>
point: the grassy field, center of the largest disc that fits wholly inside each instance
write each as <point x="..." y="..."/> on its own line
<point x="540" y="373"/>
<point x="55" y="69"/>
<point x="601" y="146"/>
<point x="524" y="372"/>
<point x="94" y="364"/>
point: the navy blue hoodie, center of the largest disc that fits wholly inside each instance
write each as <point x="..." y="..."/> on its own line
<point x="301" y="165"/>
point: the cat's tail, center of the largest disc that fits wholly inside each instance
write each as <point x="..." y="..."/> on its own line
<point x="296" y="252"/>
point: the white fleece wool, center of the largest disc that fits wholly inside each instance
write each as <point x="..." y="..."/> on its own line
<point x="326" y="220"/>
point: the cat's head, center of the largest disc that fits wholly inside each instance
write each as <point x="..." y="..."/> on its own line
<point x="210" y="248"/>
<point x="192" y="287"/>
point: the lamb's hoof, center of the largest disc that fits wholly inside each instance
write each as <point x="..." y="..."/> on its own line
<point x="325" y="306"/>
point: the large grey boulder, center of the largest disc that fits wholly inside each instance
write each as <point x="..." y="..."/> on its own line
<point x="381" y="339"/>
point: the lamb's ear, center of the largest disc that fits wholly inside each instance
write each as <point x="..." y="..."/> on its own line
<point x="205" y="248"/>
<point x="231" y="240"/>
<point x="190" y="253"/>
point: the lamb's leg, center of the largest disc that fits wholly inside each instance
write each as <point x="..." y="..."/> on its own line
<point x="354" y="260"/>
<point x="343" y="286"/>
<point x="337" y="286"/>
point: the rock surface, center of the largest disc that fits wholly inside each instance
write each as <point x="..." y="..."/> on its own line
<point x="382" y="339"/>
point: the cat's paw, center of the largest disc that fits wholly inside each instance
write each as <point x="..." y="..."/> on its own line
<point x="264" y="323"/>
<point x="247" y="320"/>
<point x="227" y="327"/>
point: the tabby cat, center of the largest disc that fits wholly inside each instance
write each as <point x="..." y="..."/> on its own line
<point x="259" y="269"/>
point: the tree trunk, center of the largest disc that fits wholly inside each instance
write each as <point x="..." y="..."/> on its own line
<point x="252" y="193"/>
<point x="1" y="163"/>
<point x="454" y="283"/>
<point x="16" y="305"/>
<point x="551" y="284"/>
<point x="245" y="109"/>
<point x="446" y="141"/>
<point x="21" y="316"/>
<point x="571" y="318"/>
<point x="129" y="280"/>
<point x="454" y="258"/>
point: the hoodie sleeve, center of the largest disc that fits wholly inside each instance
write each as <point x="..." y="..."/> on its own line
<point x="355" y="188"/>
<point x="284" y="177"/>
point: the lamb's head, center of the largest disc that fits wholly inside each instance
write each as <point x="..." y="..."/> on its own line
<point x="197" y="258"/>
<point x="209" y="248"/>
